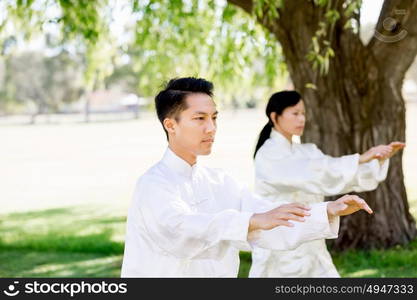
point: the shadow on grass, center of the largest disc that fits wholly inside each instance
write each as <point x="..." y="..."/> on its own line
<point x="399" y="261"/>
<point x="88" y="242"/>
<point x="73" y="229"/>
<point x="99" y="243"/>
<point x="63" y="242"/>
<point x="24" y="263"/>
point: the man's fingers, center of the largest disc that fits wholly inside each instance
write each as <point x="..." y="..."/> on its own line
<point x="296" y="208"/>
<point x="363" y="205"/>
<point x="298" y="205"/>
<point x="348" y="197"/>
<point x="289" y="216"/>
<point x="297" y="211"/>
<point x="285" y="223"/>
<point x="352" y="199"/>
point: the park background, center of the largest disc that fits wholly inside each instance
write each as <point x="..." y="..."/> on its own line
<point x="78" y="129"/>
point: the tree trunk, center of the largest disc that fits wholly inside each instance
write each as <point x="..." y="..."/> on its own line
<point x="40" y="105"/>
<point x="356" y="105"/>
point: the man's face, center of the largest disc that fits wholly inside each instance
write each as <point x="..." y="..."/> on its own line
<point x="195" y="127"/>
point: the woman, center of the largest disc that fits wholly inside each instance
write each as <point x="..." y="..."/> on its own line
<point x="294" y="172"/>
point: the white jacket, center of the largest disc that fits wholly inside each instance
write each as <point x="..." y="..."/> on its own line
<point x="293" y="172"/>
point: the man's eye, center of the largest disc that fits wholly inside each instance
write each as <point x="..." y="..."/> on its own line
<point x="199" y="118"/>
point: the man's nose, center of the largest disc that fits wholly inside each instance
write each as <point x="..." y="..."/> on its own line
<point x="211" y="126"/>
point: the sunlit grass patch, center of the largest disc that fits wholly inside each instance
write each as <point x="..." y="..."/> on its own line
<point x="88" y="242"/>
<point x="28" y="263"/>
<point x="399" y="261"/>
<point x="64" y="242"/>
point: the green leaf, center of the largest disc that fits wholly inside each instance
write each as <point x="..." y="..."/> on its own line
<point x="311" y="86"/>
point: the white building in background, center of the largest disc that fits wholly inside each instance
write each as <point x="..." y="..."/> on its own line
<point x="114" y="101"/>
<point x="132" y="100"/>
<point x="106" y="101"/>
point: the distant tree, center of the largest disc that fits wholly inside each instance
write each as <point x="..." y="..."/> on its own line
<point x="45" y="82"/>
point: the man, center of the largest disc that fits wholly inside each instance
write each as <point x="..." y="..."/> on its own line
<point x="186" y="220"/>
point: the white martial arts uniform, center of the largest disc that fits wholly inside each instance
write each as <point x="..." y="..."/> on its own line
<point x="192" y="221"/>
<point x="293" y="172"/>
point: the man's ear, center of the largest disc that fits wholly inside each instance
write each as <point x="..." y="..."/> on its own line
<point x="169" y="125"/>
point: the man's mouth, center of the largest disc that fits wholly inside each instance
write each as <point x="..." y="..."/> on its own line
<point x="211" y="140"/>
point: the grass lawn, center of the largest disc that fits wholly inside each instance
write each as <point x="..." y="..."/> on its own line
<point x="88" y="242"/>
<point x="65" y="242"/>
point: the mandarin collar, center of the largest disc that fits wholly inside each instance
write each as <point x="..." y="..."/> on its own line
<point x="281" y="139"/>
<point x="177" y="164"/>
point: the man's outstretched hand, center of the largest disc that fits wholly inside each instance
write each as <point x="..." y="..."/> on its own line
<point x="279" y="216"/>
<point x="347" y="205"/>
<point x="282" y="215"/>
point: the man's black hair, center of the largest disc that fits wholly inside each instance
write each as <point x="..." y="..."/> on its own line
<point x="171" y="100"/>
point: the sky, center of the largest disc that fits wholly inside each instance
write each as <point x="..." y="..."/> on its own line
<point x="370" y="11"/>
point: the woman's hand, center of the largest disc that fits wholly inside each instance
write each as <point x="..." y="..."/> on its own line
<point x="381" y="152"/>
<point x="279" y="217"/>
<point x="396" y="146"/>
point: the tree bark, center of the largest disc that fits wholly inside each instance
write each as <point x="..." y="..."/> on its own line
<point x="357" y="105"/>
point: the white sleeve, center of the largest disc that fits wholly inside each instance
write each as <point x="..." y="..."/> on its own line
<point x="181" y="232"/>
<point x="322" y="174"/>
<point x="316" y="226"/>
<point x="368" y="176"/>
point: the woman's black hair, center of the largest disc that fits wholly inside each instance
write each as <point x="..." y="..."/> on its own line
<point x="277" y="103"/>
